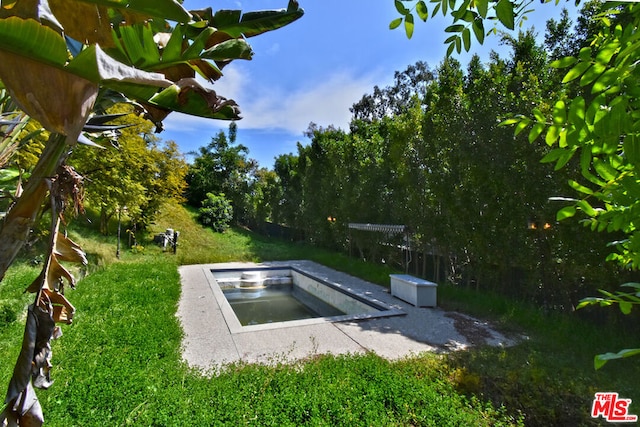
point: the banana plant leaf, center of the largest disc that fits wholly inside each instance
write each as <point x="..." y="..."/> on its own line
<point x="251" y="24"/>
<point x="101" y="119"/>
<point x="179" y="56"/>
<point x="135" y="44"/>
<point x="165" y="9"/>
<point x="39" y="44"/>
<point x="28" y="50"/>
<point x="85" y="12"/>
<point x="32" y="40"/>
<point x="189" y="97"/>
<point x="93" y="65"/>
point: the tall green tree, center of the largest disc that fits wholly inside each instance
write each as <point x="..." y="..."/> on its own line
<point x="265" y="194"/>
<point x="320" y="169"/>
<point x="599" y="129"/>
<point x="596" y="125"/>
<point x="396" y="98"/>
<point x="469" y="191"/>
<point x="223" y="167"/>
<point x="286" y="209"/>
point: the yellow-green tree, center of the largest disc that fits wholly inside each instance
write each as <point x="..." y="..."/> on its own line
<point x="133" y="171"/>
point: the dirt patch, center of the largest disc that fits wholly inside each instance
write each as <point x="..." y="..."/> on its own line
<point x="474" y="331"/>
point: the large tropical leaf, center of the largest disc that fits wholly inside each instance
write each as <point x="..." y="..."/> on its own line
<point x="164" y="9"/>
<point x="28" y="38"/>
<point x="41" y="98"/>
<point x="48" y="9"/>
<point x="84" y="20"/>
<point x="29" y="50"/>
<point x="188" y="96"/>
<point x="178" y="56"/>
<point x="128" y="67"/>
<point x="95" y="65"/>
<point x="251" y="24"/>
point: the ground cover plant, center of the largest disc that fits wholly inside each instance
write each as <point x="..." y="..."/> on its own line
<point x="120" y="364"/>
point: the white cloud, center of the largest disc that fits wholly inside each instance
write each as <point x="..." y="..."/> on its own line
<point x="273" y="49"/>
<point x="325" y="102"/>
<point x="231" y="84"/>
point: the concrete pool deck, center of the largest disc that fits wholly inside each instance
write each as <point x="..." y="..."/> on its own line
<point x="209" y="343"/>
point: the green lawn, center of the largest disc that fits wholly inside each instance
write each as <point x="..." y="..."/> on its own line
<point x="120" y="364"/>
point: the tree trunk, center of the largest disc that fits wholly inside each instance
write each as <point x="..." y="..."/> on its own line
<point x="15" y="228"/>
<point x="104" y="221"/>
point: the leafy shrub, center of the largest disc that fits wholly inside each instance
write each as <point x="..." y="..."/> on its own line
<point x="216" y="212"/>
<point x="7" y="314"/>
<point x="137" y="249"/>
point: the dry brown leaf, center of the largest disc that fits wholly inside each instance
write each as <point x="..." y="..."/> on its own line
<point x="41" y="97"/>
<point x="85" y="22"/>
<point x="23" y="406"/>
<point x="56" y="276"/>
<point x="63" y="310"/>
<point x="36" y="285"/>
<point x="67" y="250"/>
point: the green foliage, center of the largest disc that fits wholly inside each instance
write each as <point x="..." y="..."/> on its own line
<point x="132" y="171"/>
<point x="549" y="376"/>
<point x="265" y="196"/>
<point x="137" y="249"/>
<point x="216" y="212"/>
<point x="626" y="301"/>
<point x="427" y="152"/>
<point x="467" y="18"/>
<point x="600" y="130"/>
<point x="7" y="314"/>
<point x="13" y="302"/>
<point x="592" y="128"/>
<point x="598" y="127"/>
<point x="223" y="167"/>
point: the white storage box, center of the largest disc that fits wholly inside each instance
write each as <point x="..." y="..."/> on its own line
<point x="414" y="290"/>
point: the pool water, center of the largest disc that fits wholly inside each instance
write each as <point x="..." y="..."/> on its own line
<point x="278" y="295"/>
<point x="276" y="304"/>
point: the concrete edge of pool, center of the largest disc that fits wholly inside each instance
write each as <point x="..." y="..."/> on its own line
<point x="210" y="341"/>
<point x="382" y="309"/>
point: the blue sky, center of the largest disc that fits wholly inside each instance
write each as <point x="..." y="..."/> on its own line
<point x="317" y="67"/>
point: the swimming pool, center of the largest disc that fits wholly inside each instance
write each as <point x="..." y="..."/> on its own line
<point x="276" y="303"/>
<point x="269" y="297"/>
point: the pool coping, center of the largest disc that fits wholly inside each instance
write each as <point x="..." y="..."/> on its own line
<point x="235" y="327"/>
